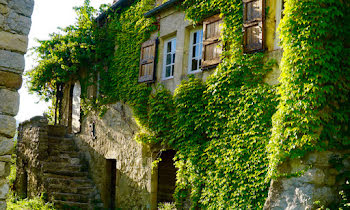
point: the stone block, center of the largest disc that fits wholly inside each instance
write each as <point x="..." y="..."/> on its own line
<point x="3" y="9"/>
<point x="18" y="23"/>
<point x="4" y="188"/>
<point x="5" y="158"/>
<point x="7" y="126"/>
<point x="3" y="2"/>
<point x="6" y="146"/>
<point x="314" y="176"/>
<point x="23" y="7"/>
<point x="2" y="169"/>
<point x="2" y="20"/>
<point x="12" y="60"/>
<point x="13" y="42"/>
<point x="9" y="103"/>
<point x="10" y="80"/>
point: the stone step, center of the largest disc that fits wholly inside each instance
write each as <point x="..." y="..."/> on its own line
<point x="60" y="152"/>
<point x="49" y="166"/>
<point x="70" y="197"/>
<point x="68" y="181"/>
<point x="60" y="147"/>
<point x="85" y="190"/>
<point x="61" y="142"/>
<point x="70" y="205"/>
<point x="64" y="173"/>
<point x="63" y="158"/>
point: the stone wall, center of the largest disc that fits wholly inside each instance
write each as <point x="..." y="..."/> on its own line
<point x="112" y="137"/>
<point x="32" y="150"/>
<point x="320" y="181"/>
<point x="15" y="24"/>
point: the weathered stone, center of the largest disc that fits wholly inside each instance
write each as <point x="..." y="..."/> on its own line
<point x="5" y="158"/>
<point x="2" y="204"/>
<point x="10" y="80"/>
<point x="3" y="2"/>
<point x="3" y="9"/>
<point x="6" y="146"/>
<point x="24" y="7"/>
<point x="18" y="23"/>
<point x="4" y="188"/>
<point x="314" y="176"/>
<point x="2" y="20"/>
<point x="7" y="126"/>
<point x="13" y="42"/>
<point x="9" y="103"/>
<point x="12" y="60"/>
<point x="2" y="168"/>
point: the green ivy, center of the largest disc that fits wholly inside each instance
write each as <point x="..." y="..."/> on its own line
<point x="232" y="131"/>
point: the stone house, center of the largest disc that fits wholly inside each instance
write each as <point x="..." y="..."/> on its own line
<point x="178" y="49"/>
<point x="120" y="167"/>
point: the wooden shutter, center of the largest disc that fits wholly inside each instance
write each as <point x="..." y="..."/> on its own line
<point x="148" y="61"/>
<point x="254" y="15"/>
<point x="212" y="50"/>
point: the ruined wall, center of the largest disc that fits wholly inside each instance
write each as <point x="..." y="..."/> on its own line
<point x="32" y="150"/>
<point x="320" y="181"/>
<point x="112" y="137"/>
<point x="15" y="24"/>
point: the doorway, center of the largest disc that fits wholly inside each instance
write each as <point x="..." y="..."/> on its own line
<point x="166" y="177"/>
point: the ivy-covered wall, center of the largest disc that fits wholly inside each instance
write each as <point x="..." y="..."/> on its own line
<point x="232" y="131"/>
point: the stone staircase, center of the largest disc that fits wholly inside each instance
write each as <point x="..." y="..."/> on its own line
<point x="66" y="179"/>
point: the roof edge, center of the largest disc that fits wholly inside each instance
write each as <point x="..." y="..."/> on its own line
<point x="162" y="7"/>
<point x="120" y="3"/>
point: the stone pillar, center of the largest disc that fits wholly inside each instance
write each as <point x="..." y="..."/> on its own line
<point x="15" y="22"/>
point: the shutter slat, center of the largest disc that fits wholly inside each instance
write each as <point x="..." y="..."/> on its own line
<point x="147" y="61"/>
<point x="211" y="42"/>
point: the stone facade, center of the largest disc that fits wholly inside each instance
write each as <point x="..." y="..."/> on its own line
<point x="15" y="22"/>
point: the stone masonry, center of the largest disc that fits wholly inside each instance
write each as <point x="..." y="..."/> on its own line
<point x="15" y="23"/>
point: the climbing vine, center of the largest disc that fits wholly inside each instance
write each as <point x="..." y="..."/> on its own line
<point x="232" y="131"/>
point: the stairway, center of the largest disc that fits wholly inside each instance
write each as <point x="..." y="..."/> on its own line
<point x="66" y="180"/>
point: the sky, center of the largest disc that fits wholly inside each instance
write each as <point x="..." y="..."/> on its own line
<point x="48" y="15"/>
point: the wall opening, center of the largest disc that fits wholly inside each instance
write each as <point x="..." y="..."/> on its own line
<point x="166" y="177"/>
<point x="76" y="108"/>
<point x="111" y="171"/>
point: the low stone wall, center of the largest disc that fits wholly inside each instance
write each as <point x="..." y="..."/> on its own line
<point x="32" y="149"/>
<point x="112" y="137"/>
<point x="15" y="24"/>
<point x="320" y="181"/>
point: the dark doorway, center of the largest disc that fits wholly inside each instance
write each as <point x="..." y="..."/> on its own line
<point x="111" y="181"/>
<point x="166" y="177"/>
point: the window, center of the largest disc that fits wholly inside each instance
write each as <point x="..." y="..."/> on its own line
<point x="148" y="60"/>
<point x="212" y="48"/>
<point x="253" y="17"/>
<point x="195" y="52"/>
<point x="169" y="58"/>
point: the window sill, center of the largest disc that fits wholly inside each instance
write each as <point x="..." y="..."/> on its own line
<point x="195" y="72"/>
<point x="167" y="78"/>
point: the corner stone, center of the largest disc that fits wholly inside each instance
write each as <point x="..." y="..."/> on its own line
<point x="10" y="80"/>
<point x="6" y="146"/>
<point x="11" y="60"/>
<point x="9" y="103"/>
<point x="4" y="188"/>
<point x="24" y="7"/>
<point x="13" y="42"/>
<point x="7" y="126"/>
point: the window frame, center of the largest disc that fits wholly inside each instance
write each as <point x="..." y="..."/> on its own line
<point x="165" y="53"/>
<point x="190" y="51"/>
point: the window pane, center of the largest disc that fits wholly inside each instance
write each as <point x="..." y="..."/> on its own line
<point x="254" y="10"/>
<point x="167" y="71"/>
<point x="193" y="51"/>
<point x="194" y="64"/>
<point x="169" y="47"/>
<point x="195" y="38"/>
<point x="173" y="58"/>
<point x="168" y="59"/>
<point x="172" y="70"/>
<point x="173" y="45"/>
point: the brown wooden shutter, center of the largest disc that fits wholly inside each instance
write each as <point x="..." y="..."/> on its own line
<point x="254" y="15"/>
<point x="148" y="61"/>
<point x="212" y="50"/>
